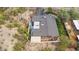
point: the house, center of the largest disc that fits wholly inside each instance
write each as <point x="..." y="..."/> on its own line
<point x="76" y="28"/>
<point x="43" y="29"/>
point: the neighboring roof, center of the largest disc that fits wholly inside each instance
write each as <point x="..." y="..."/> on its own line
<point x="78" y="37"/>
<point x="47" y="25"/>
<point x="76" y="23"/>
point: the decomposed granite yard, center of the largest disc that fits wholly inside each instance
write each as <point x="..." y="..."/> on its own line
<point x="7" y="40"/>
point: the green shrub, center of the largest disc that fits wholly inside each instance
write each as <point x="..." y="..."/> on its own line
<point x="60" y="27"/>
<point x="16" y="24"/>
<point x="2" y="21"/>
<point x="49" y="10"/>
<point x="64" y="43"/>
<point x="13" y="25"/>
<point x="74" y="13"/>
<point x="16" y="36"/>
<point x="23" y="32"/>
<point x="22" y="38"/>
<point x="18" y="46"/>
<point x="63" y="14"/>
<point x="0" y="27"/>
<point x="10" y="25"/>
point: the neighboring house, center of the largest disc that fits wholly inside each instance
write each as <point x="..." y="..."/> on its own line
<point x="43" y="29"/>
<point x="76" y="27"/>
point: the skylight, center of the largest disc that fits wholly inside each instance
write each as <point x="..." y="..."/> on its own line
<point x="36" y="25"/>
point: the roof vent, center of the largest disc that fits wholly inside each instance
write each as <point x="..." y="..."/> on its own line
<point x="44" y="16"/>
<point x="42" y="24"/>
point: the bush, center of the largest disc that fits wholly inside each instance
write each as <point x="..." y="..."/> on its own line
<point x="22" y="38"/>
<point x="17" y="10"/>
<point x="21" y="10"/>
<point x="18" y="46"/>
<point x="2" y="21"/>
<point x="16" y="36"/>
<point x="64" y="43"/>
<point x="0" y="27"/>
<point x="63" y="14"/>
<point x="23" y="32"/>
<point x="2" y="17"/>
<point x="13" y="25"/>
<point x="74" y="13"/>
<point x="9" y="25"/>
<point x="60" y="27"/>
<point x="16" y="24"/>
<point x="77" y="46"/>
<point x="49" y="10"/>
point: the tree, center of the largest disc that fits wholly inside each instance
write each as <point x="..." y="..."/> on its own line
<point x="74" y="13"/>
<point x="63" y="14"/>
<point x="49" y="10"/>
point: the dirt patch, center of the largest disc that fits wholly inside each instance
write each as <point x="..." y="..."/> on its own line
<point x="39" y="46"/>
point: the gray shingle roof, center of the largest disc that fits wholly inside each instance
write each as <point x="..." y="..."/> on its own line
<point x="48" y="26"/>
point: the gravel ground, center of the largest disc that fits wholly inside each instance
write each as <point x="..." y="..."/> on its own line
<point x="7" y="40"/>
<point x="39" y="46"/>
